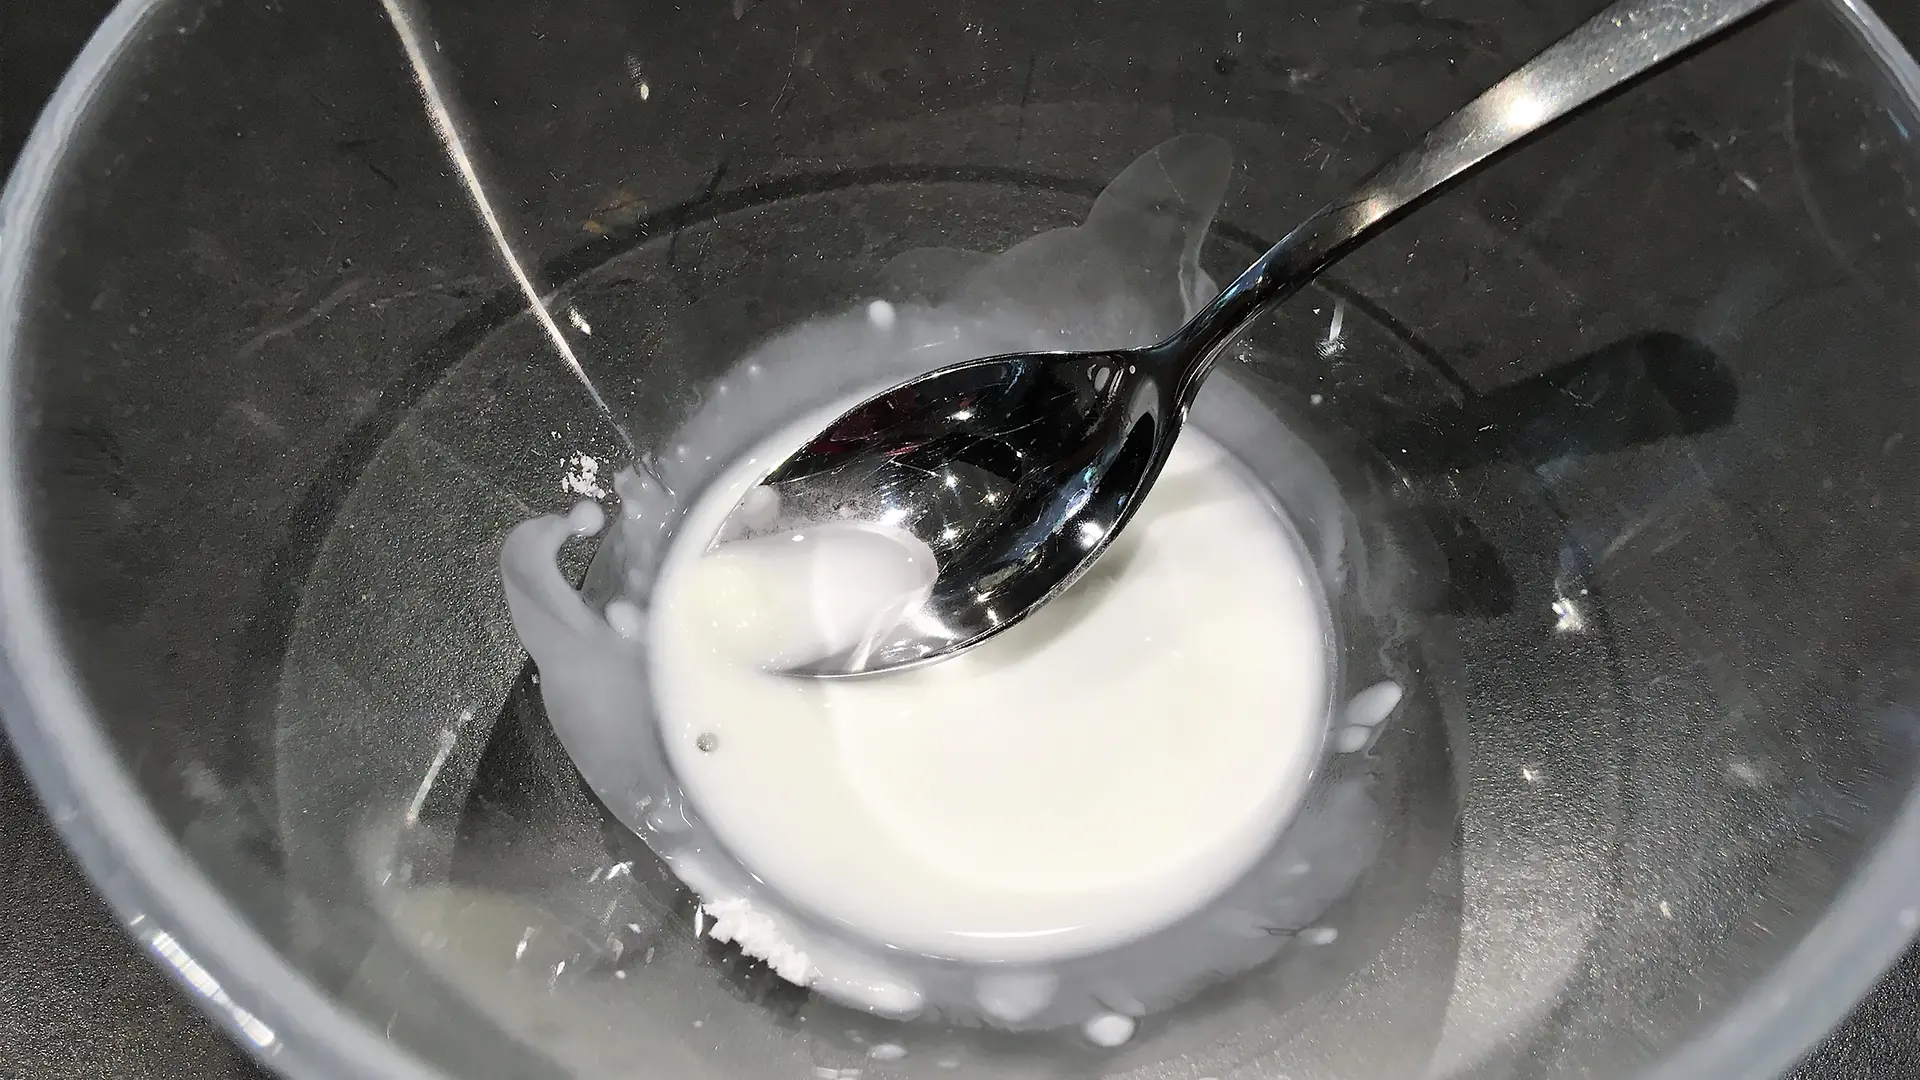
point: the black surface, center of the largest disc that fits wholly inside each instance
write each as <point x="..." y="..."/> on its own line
<point x="78" y="999"/>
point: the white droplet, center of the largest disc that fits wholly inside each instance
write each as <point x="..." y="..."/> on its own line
<point x="1109" y="1030"/>
<point x="1013" y="998"/>
<point x="1374" y="704"/>
<point x="887" y="1052"/>
<point x="1352" y="740"/>
<point x="1567" y="617"/>
<point x="586" y="518"/>
<point x="881" y="315"/>
<point x="625" y="619"/>
<point x="1320" y="935"/>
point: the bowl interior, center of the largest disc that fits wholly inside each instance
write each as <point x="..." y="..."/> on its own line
<point x="1641" y="392"/>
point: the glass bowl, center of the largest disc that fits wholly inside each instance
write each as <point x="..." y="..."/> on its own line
<point x="1624" y="417"/>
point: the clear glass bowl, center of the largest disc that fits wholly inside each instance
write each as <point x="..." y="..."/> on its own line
<point x="1643" y="390"/>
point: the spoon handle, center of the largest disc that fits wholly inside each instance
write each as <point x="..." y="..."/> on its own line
<point x="1613" y="47"/>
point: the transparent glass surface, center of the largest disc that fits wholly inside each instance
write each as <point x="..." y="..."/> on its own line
<point x="1624" y="418"/>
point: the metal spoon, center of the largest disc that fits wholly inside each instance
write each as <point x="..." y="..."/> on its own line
<point x="1054" y="451"/>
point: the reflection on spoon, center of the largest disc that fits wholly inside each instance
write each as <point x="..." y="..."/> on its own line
<point x="1051" y="453"/>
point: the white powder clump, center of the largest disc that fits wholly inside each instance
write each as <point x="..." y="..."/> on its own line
<point x="758" y="935"/>
<point x="583" y="477"/>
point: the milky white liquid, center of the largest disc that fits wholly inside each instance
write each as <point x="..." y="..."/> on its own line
<point x="1086" y="778"/>
<point x="1103" y="809"/>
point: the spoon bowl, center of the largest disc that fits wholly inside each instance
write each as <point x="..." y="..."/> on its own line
<point x="1015" y="471"/>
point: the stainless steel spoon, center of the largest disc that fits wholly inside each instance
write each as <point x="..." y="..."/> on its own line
<point x="1052" y="452"/>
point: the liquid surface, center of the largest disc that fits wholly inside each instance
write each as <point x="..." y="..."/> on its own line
<point x="1093" y="794"/>
<point x="1088" y="777"/>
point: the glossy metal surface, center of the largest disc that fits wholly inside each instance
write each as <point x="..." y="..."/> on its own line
<point x="1018" y="471"/>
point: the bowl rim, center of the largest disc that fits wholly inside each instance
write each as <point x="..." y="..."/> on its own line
<point x="196" y="937"/>
<point x="240" y="980"/>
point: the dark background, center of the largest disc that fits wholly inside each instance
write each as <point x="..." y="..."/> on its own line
<point x="78" y="1000"/>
